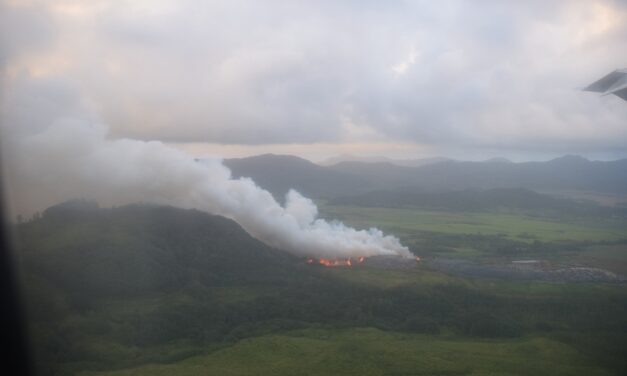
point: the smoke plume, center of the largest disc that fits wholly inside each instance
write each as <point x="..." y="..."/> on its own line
<point x="72" y="158"/>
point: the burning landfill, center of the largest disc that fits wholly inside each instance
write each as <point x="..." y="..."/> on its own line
<point x="381" y="262"/>
<point x="336" y="262"/>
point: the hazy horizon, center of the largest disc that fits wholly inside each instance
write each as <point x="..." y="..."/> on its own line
<point x="323" y="159"/>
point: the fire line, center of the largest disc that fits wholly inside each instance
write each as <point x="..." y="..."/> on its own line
<point x="336" y="262"/>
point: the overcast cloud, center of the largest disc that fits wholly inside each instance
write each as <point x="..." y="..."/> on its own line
<point x="498" y="75"/>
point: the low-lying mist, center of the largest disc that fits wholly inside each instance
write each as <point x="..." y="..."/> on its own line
<point x="74" y="159"/>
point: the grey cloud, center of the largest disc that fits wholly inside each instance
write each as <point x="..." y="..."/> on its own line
<point x="23" y="29"/>
<point x="485" y="74"/>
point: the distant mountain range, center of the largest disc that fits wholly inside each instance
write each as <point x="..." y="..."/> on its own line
<point x="279" y="173"/>
<point x="378" y="159"/>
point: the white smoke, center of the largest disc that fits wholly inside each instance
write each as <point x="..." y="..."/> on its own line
<point x="72" y="158"/>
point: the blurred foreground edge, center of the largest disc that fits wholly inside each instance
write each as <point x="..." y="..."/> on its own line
<point x="16" y="357"/>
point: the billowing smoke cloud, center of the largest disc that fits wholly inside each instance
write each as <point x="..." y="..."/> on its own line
<point x="72" y="158"/>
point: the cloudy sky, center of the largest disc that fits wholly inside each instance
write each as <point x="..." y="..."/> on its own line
<point x="404" y="79"/>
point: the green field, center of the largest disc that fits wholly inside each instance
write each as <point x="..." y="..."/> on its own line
<point x="423" y="279"/>
<point x="407" y="222"/>
<point x="494" y="236"/>
<point x="367" y="351"/>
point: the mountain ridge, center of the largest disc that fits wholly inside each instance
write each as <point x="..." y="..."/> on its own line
<point x="279" y="173"/>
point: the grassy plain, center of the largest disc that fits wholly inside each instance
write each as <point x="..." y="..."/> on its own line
<point x="586" y="241"/>
<point x="368" y="351"/>
<point x="405" y="222"/>
<point x="423" y="279"/>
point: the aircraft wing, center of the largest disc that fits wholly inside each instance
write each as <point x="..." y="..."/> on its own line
<point x="621" y="93"/>
<point x="613" y="83"/>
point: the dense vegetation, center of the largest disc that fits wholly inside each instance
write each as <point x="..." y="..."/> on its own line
<point x="116" y="288"/>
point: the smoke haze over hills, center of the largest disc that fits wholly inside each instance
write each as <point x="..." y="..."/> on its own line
<point x="125" y="171"/>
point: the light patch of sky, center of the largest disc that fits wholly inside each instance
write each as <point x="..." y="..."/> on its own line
<point x="406" y="63"/>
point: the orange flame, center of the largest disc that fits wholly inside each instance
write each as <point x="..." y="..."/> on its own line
<point x="336" y="262"/>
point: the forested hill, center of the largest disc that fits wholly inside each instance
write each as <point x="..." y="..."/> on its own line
<point x="111" y="288"/>
<point x="90" y="252"/>
<point x="569" y="173"/>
